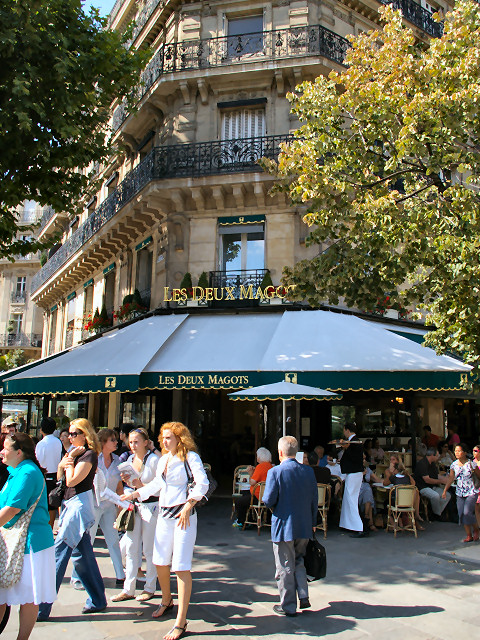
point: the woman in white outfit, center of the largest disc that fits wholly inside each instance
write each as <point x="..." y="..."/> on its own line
<point x="177" y="521"/>
<point x="145" y="464"/>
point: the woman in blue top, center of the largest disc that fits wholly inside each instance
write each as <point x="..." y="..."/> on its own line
<point x="24" y="485"/>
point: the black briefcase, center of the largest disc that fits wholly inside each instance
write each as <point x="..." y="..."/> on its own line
<point x="315" y="560"/>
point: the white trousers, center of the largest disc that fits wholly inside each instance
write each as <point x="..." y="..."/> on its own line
<point x="142" y="536"/>
<point x="173" y="545"/>
<point x="350" y="517"/>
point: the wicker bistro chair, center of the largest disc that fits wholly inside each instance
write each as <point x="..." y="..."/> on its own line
<point x="257" y="511"/>
<point x="241" y="478"/>
<point x="401" y="500"/>
<point x="324" y="493"/>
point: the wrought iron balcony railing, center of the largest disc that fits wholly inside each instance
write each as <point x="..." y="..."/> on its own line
<point x="176" y="161"/>
<point x="418" y="16"/>
<point x="20" y="340"/>
<point x="216" y="52"/>
<point x="240" y="283"/>
<point x="47" y="215"/>
<point x="18" y="296"/>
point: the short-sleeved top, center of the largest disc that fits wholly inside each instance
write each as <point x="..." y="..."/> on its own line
<point x="260" y="475"/>
<point x="464" y="478"/>
<point x="87" y="483"/>
<point x="21" y="490"/>
<point x="425" y="468"/>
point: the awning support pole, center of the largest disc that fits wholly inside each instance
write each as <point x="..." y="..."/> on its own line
<point x="284" y="403"/>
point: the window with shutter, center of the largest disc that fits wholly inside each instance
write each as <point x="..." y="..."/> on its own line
<point x="243" y="123"/>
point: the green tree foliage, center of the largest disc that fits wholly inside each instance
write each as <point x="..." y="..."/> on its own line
<point x="60" y="72"/>
<point x="12" y="359"/>
<point x="386" y="163"/>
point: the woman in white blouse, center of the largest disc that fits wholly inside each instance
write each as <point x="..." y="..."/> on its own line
<point x="177" y="522"/>
<point x="145" y="463"/>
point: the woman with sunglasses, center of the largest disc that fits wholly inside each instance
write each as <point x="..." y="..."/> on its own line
<point x="25" y="487"/>
<point x="144" y="463"/>
<point x="73" y="538"/>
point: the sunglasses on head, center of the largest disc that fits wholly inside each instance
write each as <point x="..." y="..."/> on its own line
<point x="74" y="434"/>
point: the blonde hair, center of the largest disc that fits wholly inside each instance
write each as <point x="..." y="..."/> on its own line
<point x="86" y="427"/>
<point x="185" y="439"/>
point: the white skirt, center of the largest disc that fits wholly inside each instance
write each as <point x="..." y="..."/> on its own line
<point x="37" y="582"/>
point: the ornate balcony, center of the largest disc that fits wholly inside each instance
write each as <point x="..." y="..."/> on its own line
<point x="20" y="340"/>
<point x="176" y="161"/>
<point x="18" y="297"/>
<point x="230" y="50"/>
<point x="240" y="281"/>
<point x="418" y="16"/>
<point x="47" y="215"/>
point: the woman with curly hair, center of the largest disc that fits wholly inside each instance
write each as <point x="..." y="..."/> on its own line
<point x="78" y="466"/>
<point x="177" y="521"/>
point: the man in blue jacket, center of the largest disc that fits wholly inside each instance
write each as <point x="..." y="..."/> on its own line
<point x="291" y="493"/>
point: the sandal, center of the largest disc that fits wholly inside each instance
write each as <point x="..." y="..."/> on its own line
<point x="173" y="629"/>
<point x="372" y="527"/>
<point x="144" y="596"/>
<point x="468" y="539"/>
<point x="476" y="536"/>
<point x="121" y="597"/>
<point x="158" y="613"/>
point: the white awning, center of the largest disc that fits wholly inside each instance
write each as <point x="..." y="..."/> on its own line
<point x="337" y="352"/>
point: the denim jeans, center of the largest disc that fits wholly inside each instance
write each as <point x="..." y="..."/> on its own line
<point x="87" y="570"/>
<point x="105" y="516"/>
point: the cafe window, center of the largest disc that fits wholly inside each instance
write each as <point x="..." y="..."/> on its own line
<point x="241" y="247"/>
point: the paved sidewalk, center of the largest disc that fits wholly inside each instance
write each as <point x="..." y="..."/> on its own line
<point x="376" y="587"/>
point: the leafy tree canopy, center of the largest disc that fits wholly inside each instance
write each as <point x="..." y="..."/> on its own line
<point x="386" y="163"/>
<point x="13" y="359"/>
<point x="60" y="72"/>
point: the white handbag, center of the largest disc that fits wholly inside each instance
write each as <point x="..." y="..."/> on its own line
<point x="12" y="548"/>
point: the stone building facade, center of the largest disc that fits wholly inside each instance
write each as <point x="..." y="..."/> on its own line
<point x="184" y="194"/>
<point x="21" y="321"/>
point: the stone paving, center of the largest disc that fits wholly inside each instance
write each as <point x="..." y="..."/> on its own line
<point x="378" y="587"/>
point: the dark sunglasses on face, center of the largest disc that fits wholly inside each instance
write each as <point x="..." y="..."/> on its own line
<point x="74" y="434"/>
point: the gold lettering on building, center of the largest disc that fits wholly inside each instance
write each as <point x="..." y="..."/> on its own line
<point x="208" y="294"/>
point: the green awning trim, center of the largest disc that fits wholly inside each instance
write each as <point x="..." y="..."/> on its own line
<point x="110" y="267"/>
<point x="144" y="243"/>
<point x="394" y="381"/>
<point x="70" y="384"/>
<point x="71" y="296"/>
<point x="415" y="337"/>
<point x="331" y="381"/>
<point x="54" y="308"/>
<point x="88" y="283"/>
<point x="228" y="220"/>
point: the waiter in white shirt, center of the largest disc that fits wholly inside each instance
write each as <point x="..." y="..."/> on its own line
<point x="49" y="453"/>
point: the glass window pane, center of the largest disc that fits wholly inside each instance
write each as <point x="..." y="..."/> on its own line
<point x="232" y="252"/>
<point x="255" y="251"/>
